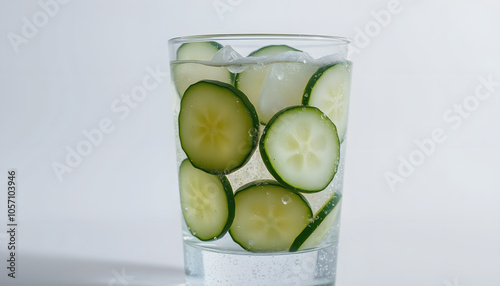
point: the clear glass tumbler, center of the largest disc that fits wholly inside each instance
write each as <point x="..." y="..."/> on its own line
<point x="260" y="124"/>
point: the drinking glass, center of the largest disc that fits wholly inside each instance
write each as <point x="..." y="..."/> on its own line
<point x="260" y="132"/>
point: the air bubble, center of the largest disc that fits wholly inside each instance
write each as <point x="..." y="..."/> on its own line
<point x="253" y="132"/>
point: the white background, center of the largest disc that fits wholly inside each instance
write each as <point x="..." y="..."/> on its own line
<point x="114" y="219"/>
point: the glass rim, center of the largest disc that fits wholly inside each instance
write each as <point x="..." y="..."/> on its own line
<point x="241" y="37"/>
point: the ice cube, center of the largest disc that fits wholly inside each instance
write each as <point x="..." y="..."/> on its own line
<point x="329" y="60"/>
<point x="230" y="58"/>
<point x="226" y="54"/>
<point x="236" y="68"/>
<point x="283" y="87"/>
<point x="293" y="56"/>
<point x="305" y="58"/>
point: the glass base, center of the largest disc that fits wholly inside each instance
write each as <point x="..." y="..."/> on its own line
<point x="311" y="268"/>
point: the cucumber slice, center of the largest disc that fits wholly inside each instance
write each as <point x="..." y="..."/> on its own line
<point x="301" y="149"/>
<point x="329" y="90"/>
<point x="268" y="216"/>
<point x="272" y="50"/>
<point x="320" y="226"/>
<point x="185" y="74"/>
<point x="250" y="81"/>
<point x="207" y="202"/>
<point x="218" y="127"/>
